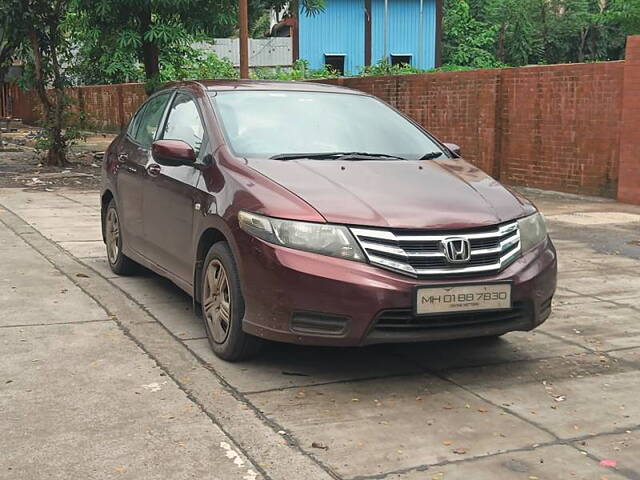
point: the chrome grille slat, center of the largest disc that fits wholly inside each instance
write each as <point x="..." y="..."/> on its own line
<point x="420" y="255"/>
<point x="397" y="251"/>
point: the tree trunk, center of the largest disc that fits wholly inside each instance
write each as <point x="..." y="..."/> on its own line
<point x="545" y="31"/>
<point x="150" y="52"/>
<point x="501" y="49"/>
<point x="53" y="113"/>
<point x="150" y="59"/>
<point x="583" y="40"/>
<point x="58" y="146"/>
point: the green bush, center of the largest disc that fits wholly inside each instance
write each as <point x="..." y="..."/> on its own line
<point x="383" y="67"/>
<point x="299" y="71"/>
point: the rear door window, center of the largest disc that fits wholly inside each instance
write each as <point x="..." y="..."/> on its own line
<point x="135" y="122"/>
<point x="150" y="120"/>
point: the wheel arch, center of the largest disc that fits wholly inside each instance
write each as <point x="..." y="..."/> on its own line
<point x="105" y="199"/>
<point x="208" y="237"/>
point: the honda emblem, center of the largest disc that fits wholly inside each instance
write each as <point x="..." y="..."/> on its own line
<point x="456" y="249"/>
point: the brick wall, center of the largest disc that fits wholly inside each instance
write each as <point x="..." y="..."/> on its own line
<point x="107" y="107"/>
<point x="554" y="127"/>
<point x="458" y="107"/>
<point x="572" y="128"/>
<point x="629" y="184"/>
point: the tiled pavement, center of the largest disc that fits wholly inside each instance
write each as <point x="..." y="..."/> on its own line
<point x="549" y="404"/>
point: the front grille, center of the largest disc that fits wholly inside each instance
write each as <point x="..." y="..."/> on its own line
<point x="403" y="320"/>
<point x="420" y="253"/>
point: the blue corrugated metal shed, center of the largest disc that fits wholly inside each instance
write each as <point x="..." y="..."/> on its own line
<point x="356" y="29"/>
<point x="337" y="30"/>
<point x="405" y="36"/>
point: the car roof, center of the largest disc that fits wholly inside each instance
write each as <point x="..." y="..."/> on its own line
<point x="228" y="85"/>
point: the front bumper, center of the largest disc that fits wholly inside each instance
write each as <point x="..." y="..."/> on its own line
<point x="299" y="297"/>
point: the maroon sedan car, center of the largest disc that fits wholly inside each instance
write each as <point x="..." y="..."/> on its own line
<point x="315" y="214"/>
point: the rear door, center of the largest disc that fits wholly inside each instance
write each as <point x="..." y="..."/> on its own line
<point x="170" y="192"/>
<point x="133" y="155"/>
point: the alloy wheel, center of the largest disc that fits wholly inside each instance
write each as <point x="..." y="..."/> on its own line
<point x="216" y="301"/>
<point x="112" y="235"/>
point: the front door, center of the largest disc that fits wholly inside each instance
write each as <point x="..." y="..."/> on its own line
<point x="132" y="155"/>
<point x="170" y="194"/>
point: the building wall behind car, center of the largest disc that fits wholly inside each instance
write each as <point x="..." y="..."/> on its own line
<point x="571" y="128"/>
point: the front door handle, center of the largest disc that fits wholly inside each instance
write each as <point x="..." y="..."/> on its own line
<point x="153" y="170"/>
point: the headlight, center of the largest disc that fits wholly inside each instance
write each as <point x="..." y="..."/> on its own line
<point x="323" y="238"/>
<point x="533" y="230"/>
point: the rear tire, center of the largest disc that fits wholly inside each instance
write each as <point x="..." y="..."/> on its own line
<point x="118" y="261"/>
<point x="223" y="306"/>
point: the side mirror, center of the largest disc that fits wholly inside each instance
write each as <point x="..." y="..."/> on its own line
<point x="172" y="153"/>
<point x="453" y="148"/>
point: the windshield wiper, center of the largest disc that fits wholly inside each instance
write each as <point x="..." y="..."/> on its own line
<point x="335" y="155"/>
<point x="431" y="155"/>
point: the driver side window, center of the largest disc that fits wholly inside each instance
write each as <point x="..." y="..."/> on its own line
<point x="184" y="123"/>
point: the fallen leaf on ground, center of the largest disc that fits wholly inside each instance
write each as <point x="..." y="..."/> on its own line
<point x="320" y="445"/>
<point x="607" y="462"/>
<point x="459" y="451"/>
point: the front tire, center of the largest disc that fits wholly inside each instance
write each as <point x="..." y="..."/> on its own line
<point x="118" y="261"/>
<point x="223" y="306"/>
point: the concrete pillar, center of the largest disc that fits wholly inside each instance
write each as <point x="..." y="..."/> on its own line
<point x="629" y="165"/>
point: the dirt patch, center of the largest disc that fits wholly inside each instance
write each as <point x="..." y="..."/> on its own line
<point x="21" y="166"/>
<point x="24" y="168"/>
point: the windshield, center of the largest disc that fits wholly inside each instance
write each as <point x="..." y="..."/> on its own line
<point x="275" y="123"/>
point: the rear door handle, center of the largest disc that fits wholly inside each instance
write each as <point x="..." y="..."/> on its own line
<point x="153" y="170"/>
<point x="123" y="159"/>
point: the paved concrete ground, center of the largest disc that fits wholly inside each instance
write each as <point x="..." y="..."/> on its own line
<point x="114" y="377"/>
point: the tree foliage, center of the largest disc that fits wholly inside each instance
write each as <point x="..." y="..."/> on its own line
<point x="8" y="45"/>
<point x="37" y="28"/>
<point x="466" y="40"/>
<point x="126" y="34"/>
<point x="488" y="33"/>
<point x="151" y="39"/>
<point x="626" y="13"/>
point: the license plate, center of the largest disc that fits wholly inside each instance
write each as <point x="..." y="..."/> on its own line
<point x="463" y="298"/>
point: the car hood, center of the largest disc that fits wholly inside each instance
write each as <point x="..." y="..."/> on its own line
<point x="434" y="194"/>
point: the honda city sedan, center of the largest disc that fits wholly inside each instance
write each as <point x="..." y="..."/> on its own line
<point x="319" y="215"/>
